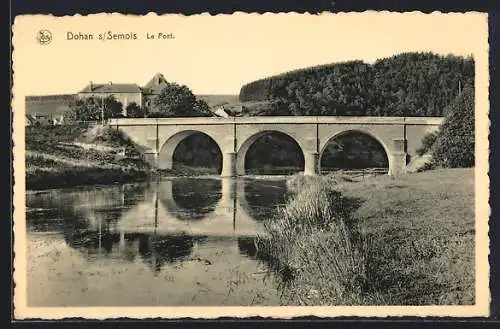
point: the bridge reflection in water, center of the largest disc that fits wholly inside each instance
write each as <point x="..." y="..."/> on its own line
<point x="159" y="222"/>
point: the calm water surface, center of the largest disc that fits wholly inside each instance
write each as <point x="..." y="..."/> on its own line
<point x="182" y="241"/>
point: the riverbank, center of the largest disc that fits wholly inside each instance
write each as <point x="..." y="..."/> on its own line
<point x="73" y="155"/>
<point x="376" y="241"/>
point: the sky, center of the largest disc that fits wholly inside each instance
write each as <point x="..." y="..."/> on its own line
<point x="219" y="54"/>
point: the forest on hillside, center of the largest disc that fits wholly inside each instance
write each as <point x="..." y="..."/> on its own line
<point x="408" y="84"/>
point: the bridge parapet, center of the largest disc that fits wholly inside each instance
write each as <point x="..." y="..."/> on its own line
<point x="277" y="120"/>
<point x="170" y="121"/>
<point x="399" y="136"/>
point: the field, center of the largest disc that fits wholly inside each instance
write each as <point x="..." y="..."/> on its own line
<point x="234" y="106"/>
<point x="48" y="105"/>
<point x="377" y="241"/>
<point x="213" y="100"/>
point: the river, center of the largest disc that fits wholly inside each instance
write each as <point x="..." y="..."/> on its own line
<point x="172" y="242"/>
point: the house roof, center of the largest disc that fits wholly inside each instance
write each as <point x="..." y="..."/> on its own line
<point x="112" y="88"/>
<point x="155" y="85"/>
<point x="220" y="112"/>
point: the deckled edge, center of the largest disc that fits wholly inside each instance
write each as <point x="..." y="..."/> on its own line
<point x="205" y="14"/>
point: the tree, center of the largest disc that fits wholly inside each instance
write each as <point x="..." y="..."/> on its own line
<point x="112" y="108"/>
<point x="87" y="109"/>
<point x="202" y="107"/>
<point x="91" y="108"/>
<point x="135" y="111"/>
<point x="178" y="101"/>
<point x="454" y="145"/>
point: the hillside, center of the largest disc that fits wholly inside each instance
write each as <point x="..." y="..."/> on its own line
<point x="70" y="155"/>
<point x="410" y="84"/>
<point x="50" y="104"/>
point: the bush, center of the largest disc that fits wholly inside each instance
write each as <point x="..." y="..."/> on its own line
<point x="454" y="145"/>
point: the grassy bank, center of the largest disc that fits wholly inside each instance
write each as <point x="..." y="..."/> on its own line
<point x="70" y="155"/>
<point x="377" y="241"/>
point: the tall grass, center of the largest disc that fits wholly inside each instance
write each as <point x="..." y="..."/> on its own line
<point x="315" y="247"/>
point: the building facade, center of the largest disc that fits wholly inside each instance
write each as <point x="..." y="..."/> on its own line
<point x="153" y="88"/>
<point x="124" y="93"/>
<point x="127" y="93"/>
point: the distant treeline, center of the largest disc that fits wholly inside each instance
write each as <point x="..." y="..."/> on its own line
<point x="409" y="84"/>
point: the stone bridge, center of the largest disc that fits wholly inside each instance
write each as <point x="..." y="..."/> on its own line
<point x="399" y="136"/>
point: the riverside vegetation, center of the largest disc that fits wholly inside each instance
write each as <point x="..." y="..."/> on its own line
<point x="68" y="155"/>
<point x="375" y="241"/>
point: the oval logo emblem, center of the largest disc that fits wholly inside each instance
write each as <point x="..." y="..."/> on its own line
<point x="44" y="37"/>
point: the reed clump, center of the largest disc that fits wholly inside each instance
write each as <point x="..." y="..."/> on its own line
<point x="315" y="246"/>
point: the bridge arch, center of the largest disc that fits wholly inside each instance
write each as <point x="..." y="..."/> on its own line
<point x="168" y="147"/>
<point x="245" y="146"/>
<point x="364" y="132"/>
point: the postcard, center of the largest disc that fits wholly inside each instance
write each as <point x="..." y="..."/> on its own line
<point x="237" y="165"/>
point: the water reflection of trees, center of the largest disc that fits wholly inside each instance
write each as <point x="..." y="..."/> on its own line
<point x="262" y="197"/>
<point x="135" y="193"/>
<point x="248" y="246"/>
<point x="192" y="199"/>
<point x="92" y="229"/>
<point x="56" y="209"/>
<point x="156" y="251"/>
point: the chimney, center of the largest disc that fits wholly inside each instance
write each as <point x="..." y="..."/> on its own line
<point x="91" y="85"/>
<point x="110" y="83"/>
